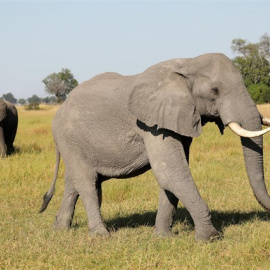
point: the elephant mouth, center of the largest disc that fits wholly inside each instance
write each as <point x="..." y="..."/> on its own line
<point x="216" y="120"/>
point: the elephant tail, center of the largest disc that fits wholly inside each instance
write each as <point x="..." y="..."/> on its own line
<point x="49" y="194"/>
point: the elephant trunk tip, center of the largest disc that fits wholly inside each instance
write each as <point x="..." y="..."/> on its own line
<point x="262" y="204"/>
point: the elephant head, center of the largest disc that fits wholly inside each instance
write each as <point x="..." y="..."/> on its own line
<point x="182" y="95"/>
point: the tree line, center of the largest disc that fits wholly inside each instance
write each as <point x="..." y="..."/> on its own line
<point x="252" y="60"/>
<point x="58" y="85"/>
<point x="34" y="99"/>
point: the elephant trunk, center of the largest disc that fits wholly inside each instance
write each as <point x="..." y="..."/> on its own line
<point x="253" y="155"/>
<point x="233" y="110"/>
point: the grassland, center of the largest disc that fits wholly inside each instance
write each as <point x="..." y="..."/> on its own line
<point x="28" y="240"/>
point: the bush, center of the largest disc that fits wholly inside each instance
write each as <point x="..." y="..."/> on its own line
<point x="32" y="106"/>
<point x="260" y="93"/>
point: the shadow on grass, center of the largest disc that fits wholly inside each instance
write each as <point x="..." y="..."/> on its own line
<point x="29" y="149"/>
<point x="221" y="220"/>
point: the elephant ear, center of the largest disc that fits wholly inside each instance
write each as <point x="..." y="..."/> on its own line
<point x="3" y="110"/>
<point x="162" y="97"/>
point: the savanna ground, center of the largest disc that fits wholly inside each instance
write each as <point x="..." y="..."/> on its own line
<point x="28" y="240"/>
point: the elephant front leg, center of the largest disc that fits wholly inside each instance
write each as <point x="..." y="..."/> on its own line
<point x="168" y="202"/>
<point x="170" y="166"/>
<point x="166" y="212"/>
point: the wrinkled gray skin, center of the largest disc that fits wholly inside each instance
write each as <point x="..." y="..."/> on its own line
<point x="8" y="127"/>
<point x="116" y="126"/>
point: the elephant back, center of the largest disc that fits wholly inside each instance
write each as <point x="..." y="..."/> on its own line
<point x="3" y="110"/>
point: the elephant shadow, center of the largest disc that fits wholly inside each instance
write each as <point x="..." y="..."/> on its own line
<point x="220" y="219"/>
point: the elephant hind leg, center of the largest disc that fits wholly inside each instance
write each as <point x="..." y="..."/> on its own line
<point x="10" y="149"/>
<point x="86" y="184"/>
<point x="166" y="212"/>
<point x="65" y="214"/>
<point x="9" y="141"/>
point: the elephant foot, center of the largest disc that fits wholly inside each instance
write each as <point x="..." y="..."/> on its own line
<point x="10" y="151"/>
<point x="99" y="231"/>
<point x="207" y="234"/>
<point x="60" y="224"/>
<point x="163" y="233"/>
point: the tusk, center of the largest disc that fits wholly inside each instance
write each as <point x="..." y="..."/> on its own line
<point x="246" y="133"/>
<point x="265" y="121"/>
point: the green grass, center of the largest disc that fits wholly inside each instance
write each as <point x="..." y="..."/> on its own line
<point x="28" y="240"/>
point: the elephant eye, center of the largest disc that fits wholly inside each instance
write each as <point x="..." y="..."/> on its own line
<point x="215" y="91"/>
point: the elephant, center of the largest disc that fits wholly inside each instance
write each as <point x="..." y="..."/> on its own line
<point x="115" y="126"/>
<point x="8" y="127"/>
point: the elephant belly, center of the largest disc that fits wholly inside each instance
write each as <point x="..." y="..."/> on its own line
<point x="119" y="155"/>
<point x="112" y="145"/>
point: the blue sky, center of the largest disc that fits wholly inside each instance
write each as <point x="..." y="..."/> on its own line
<point x="39" y="37"/>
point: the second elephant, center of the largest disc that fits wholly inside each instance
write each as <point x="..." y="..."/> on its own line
<point x="8" y="127"/>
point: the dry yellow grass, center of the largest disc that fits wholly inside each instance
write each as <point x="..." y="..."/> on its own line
<point x="264" y="109"/>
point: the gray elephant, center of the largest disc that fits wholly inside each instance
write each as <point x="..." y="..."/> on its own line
<point x="8" y="127"/>
<point x="115" y="126"/>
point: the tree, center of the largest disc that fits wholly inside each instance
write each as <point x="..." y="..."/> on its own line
<point x="54" y="85"/>
<point x="265" y="45"/>
<point x="260" y="93"/>
<point x="242" y="46"/>
<point x="60" y="84"/>
<point x="22" y="101"/>
<point x="49" y="100"/>
<point x="67" y="77"/>
<point x="239" y="46"/>
<point x="254" y="66"/>
<point x="34" y="99"/>
<point x="9" y="97"/>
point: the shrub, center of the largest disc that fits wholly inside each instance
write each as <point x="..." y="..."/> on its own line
<point x="32" y="106"/>
<point x="260" y="93"/>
